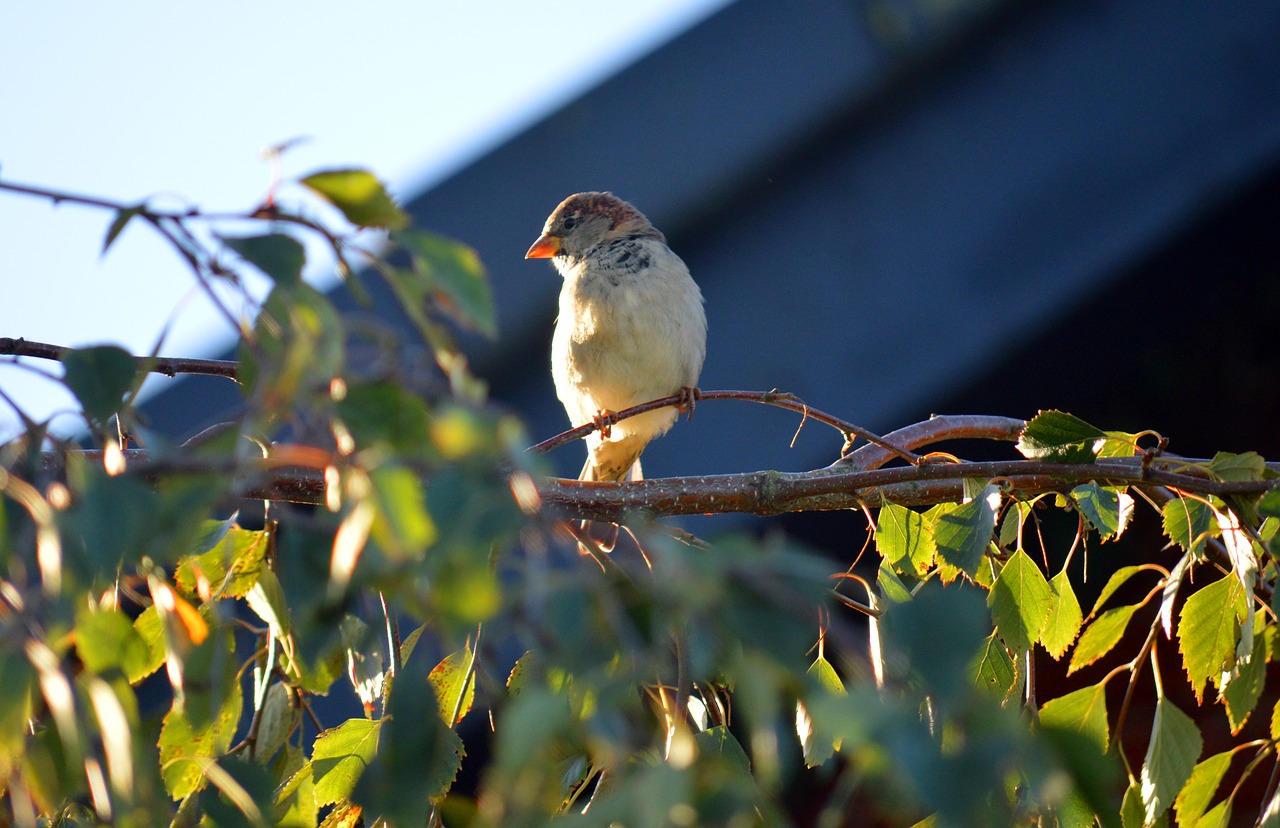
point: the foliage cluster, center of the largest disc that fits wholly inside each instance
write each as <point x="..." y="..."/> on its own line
<point x="173" y="651"/>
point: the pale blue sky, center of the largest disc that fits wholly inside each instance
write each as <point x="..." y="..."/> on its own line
<point x="177" y="101"/>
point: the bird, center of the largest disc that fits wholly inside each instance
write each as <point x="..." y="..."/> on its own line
<point x="631" y="327"/>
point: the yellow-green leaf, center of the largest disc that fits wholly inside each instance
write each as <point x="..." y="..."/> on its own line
<point x="1064" y="619"/>
<point x="1020" y="600"/>
<point x="1103" y="634"/>
<point x="339" y="757"/>
<point x="455" y="690"/>
<point x="359" y="195"/>
<point x="1208" y="628"/>
<point x="903" y="539"/>
<point x="1083" y="711"/>
<point x="1193" y="801"/>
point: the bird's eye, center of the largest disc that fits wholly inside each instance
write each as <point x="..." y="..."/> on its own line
<point x="570" y="222"/>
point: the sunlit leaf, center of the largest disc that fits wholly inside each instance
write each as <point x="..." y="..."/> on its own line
<point x="1171" y="756"/>
<point x="1117" y="580"/>
<point x="1020" y="602"/>
<point x="903" y="538"/>
<point x="1083" y="711"/>
<point x="1100" y="636"/>
<point x="1208" y="628"/>
<point x="230" y="568"/>
<point x="1060" y="437"/>
<point x="1242" y="691"/>
<point x="99" y="377"/>
<point x="340" y="755"/>
<point x="817" y="750"/>
<point x="1193" y="801"/>
<point x="401" y="525"/>
<point x="963" y="533"/>
<point x="1169" y="593"/>
<point x="1062" y="624"/>
<point x="1107" y="510"/>
<point x="359" y="195"/>
<point x="454" y="686"/>
<point x="279" y="256"/>
<point x="1188" y="523"/>
<point x="185" y="751"/>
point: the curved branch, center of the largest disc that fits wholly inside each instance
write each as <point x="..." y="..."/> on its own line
<point x="780" y="399"/>
<point x="169" y="366"/>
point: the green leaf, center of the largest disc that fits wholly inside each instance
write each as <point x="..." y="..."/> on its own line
<point x="1208" y="628"/>
<point x="385" y="413"/>
<point x="994" y="670"/>
<point x="1083" y="711"/>
<point x="99" y="377"/>
<point x="1188" y="523"/>
<point x="230" y="568"/>
<point x="1269" y="504"/>
<point x="1106" y="510"/>
<point x="122" y="217"/>
<point x="816" y="749"/>
<point x="359" y="195"/>
<point x="339" y="757"/>
<point x="17" y="679"/>
<point x="1060" y="437"/>
<point x="401" y="525"/>
<point x="150" y="629"/>
<point x="1171" y="756"/>
<point x="1117" y="580"/>
<point x="279" y="717"/>
<point x="890" y="585"/>
<point x="185" y="751"/>
<point x="299" y="338"/>
<point x="449" y="271"/>
<point x="106" y="638"/>
<point x="1195" y="797"/>
<point x="454" y="689"/>
<point x="963" y="532"/>
<point x="903" y="538"/>
<point x="1064" y="619"/>
<point x="1019" y="602"/>
<point x="295" y="801"/>
<point x="1237" y="468"/>
<point x="1103" y="634"/>
<point x="1242" y="691"/>
<point x="279" y="256"/>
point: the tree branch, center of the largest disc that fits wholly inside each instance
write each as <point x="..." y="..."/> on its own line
<point x="169" y="366"/>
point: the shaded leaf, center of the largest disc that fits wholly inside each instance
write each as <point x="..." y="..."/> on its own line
<point x="122" y="218"/>
<point x="1060" y="437"/>
<point x="359" y="195"/>
<point x="1236" y="468"/>
<point x="452" y="274"/>
<point x="1242" y="691"/>
<point x="106" y="638"/>
<point x="99" y="377"/>
<point x="1019" y="601"/>
<point x="1171" y="756"/>
<point x="1188" y="523"/>
<point x="994" y="670"/>
<point x="279" y="256"/>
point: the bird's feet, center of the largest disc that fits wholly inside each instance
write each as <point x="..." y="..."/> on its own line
<point x="604" y="422"/>
<point x="688" y="399"/>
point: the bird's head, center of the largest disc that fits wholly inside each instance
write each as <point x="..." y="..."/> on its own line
<point x="585" y="220"/>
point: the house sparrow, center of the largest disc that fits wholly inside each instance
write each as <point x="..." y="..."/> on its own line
<point x="631" y="327"/>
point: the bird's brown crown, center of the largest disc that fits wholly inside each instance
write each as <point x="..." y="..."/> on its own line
<point x="619" y="212"/>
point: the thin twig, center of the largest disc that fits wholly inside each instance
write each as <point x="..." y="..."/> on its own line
<point x="169" y="366"/>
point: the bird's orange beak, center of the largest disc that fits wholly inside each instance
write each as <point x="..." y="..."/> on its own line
<point x="544" y="248"/>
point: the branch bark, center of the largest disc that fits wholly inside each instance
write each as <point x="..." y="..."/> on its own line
<point x="169" y="366"/>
